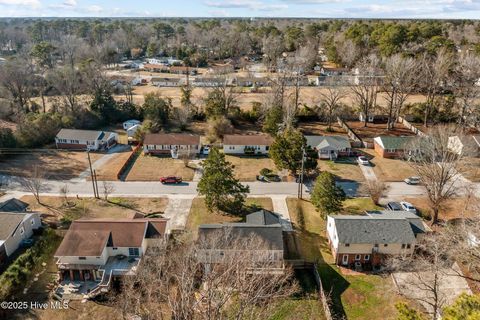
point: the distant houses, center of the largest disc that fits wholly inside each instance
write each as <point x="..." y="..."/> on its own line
<point x="92" y="140"/>
<point x="247" y="144"/>
<point x="171" y="144"/>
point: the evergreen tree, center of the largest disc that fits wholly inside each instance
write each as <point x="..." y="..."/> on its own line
<point x="466" y="307"/>
<point x="219" y="186"/>
<point x="407" y="313"/>
<point x="327" y="197"/>
<point x="273" y="119"/>
<point x="105" y="106"/>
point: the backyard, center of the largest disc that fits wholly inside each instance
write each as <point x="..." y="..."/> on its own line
<point x="152" y="168"/>
<point x="320" y="128"/>
<point x="363" y="296"/>
<point x="377" y="129"/>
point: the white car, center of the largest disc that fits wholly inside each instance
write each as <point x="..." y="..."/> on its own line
<point x="412" y="180"/>
<point x="363" y="160"/>
<point x="407" y="206"/>
<point x="206" y="150"/>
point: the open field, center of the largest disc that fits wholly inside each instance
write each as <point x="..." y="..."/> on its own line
<point x="363" y="296"/>
<point x="152" y="168"/>
<point x="453" y="208"/>
<point x="389" y="169"/>
<point x="60" y="165"/>
<point x="200" y="215"/>
<point x="377" y="129"/>
<point x="246" y="168"/>
<point x="54" y="208"/>
<point x="320" y="128"/>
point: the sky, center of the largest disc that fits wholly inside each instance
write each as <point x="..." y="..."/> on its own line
<point x="441" y="9"/>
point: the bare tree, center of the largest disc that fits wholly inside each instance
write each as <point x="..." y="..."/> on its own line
<point x="64" y="192"/>
<point x="194" y="280"/>
<point x="186" y="156"/>
<point x="331" y="103"/>
<point x="16" y="78"/>
<point x="437" y="166"/>
<point x="108" y="188"/>
<point x="368" y="83"/>
<point x="377" y="190"/>
<point x="401" y="77"/>
<point x="434" y="72"/>
<point x="35" y="182"/>
<point x="467" y="74"/>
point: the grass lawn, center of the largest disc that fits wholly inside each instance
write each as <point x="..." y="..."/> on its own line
<point x="152" y="168"/>
<point x="53" y="164"/>
<point x="359" y="205"/>
<point x="110" y="169"/>
<point x="247" y="168"/>
<point x="346" y="170"/>
<point x="54" y="208"/>
<point x="200" y="215"/>
<point x="356" y="297"/>
<point x="389" y="169"/>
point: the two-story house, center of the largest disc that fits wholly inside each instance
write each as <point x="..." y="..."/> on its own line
<point x="99" y="250"/>
<point x="171" y="144"/>
<point x="363" y="241"/>
<point x="14" y="228"/>
<point x="247" y="144"/>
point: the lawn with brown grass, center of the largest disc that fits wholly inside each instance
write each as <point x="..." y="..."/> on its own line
<point x="58" y="165"/>
<point x="55" y="208"/>
<point x="247" y="168"/>
<point x="152" y="168"/>
<point x="320" y="128"/>
<point x="199" y="213"/>
<point x="111" y="168"/>
<point x="347" y="170"/>
<point x="389" y="170"/>
<point x="472" y="169"/>
<point x="452" y="209"/>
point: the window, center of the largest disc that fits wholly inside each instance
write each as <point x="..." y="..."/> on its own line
<point x="267" y="147"/>
<point x="82" y="258"/>
<point x="32" y="222"/>
<point x="403" y="245"/>
<point x="409" y="245"/>
<point x="385" y="245"/>
<point x="114" y="248"/>
<point x="133" y="252"/>
<point x="357" y="257"/>
<point x="376" y="245"/>
<point x="366" y="257"/>
<point x="391" y="150"/>
<point x="347" y="244"/>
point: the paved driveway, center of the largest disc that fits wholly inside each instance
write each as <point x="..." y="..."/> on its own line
<point x="177" y="210"/>
<point x="368" y="173"/>
<point x="280" y="207"/>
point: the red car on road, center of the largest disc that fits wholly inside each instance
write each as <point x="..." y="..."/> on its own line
<point x="170" y="179"/>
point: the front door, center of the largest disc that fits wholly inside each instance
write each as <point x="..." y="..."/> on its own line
<point x="345" y="259"/>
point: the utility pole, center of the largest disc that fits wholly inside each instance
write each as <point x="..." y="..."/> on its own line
<point x="300" y="180"/>
<point x="96" y="182"/>
<point x="91" y="174"/>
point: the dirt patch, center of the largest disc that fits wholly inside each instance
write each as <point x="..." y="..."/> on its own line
<point x="152" y="168"/>
<point x="58" y="165"/>
<point x="377" y="129"/>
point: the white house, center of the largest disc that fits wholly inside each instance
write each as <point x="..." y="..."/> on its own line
<point x="363" y="241"/>
<point x="130" y="123"/>
<point x="97" y="250"/>
<point x="85" y="139"/>
<point x="246" y="144"/>
<point x="14" y="228"/>
<point x="330" y="147"/>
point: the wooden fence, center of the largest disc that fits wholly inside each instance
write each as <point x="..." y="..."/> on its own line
<point x="411" y="127"/>
<point x="321" y="292"/>
<point x="130" y="160"/>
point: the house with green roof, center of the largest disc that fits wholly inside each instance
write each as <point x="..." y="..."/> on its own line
<point x="391" y="147"/>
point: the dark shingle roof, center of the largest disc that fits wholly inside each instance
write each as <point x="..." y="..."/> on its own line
<point x="415" y="221"/>
<point x="13" y="205"/>
<point x="397" y="143"/>
<point x="171" y="139"/>
<point x="367" y="229"/>
<point x="335" y="142"/>
<point x="8" y="223"/>
<point x="263" y="217"/>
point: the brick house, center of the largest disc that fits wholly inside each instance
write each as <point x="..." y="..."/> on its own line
<point x="391" y="147"/>
<point x="363" y="241"/>
<point x="171" y="144"/>
<point x="85" y="139"/>
<point x="247" y="144"/>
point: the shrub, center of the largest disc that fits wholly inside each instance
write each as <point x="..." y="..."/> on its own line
<point x="266" y="172"/>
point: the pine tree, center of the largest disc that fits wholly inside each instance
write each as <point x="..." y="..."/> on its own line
<point x="327" y="197"/>
<point x="219" y="186"/>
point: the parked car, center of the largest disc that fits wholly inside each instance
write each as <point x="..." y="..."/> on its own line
<point x="394" y="206"/>
<point x="262" y="178"/>
<point x="170" y="180"/>
<point x="206" y="150"/>
<point x="412" y="180"/>
<point x="407" y="206"/>
<point x="363" y="160"/>
<point x="273" y="178"/>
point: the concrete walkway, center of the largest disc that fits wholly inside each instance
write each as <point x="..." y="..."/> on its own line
<point x="280" y="207"/>
<point x="368" y="173"/>
<point x="178" y="209"/>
